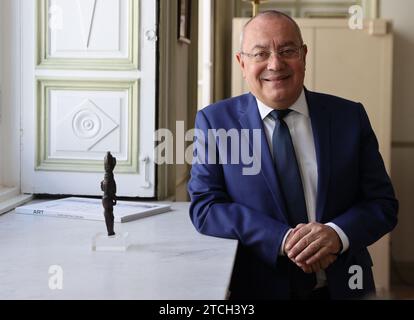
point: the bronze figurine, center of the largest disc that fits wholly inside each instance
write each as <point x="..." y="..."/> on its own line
<point x="108" y="186"/>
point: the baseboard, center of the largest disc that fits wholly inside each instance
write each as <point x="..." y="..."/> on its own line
<point x="13" y="202"/>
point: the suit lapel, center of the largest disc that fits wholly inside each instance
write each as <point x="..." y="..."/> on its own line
<point x="250" y="119"/>
<point x="320" y="119"/>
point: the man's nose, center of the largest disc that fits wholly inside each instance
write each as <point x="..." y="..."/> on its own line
<point x="275" y="63"/>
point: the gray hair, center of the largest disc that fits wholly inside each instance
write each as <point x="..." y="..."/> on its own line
<point x="273" y="13"/>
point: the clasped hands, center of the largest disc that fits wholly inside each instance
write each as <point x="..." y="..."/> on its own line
<point x="313" y="246"/>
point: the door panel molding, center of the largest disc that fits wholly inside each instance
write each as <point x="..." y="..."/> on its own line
<point x="78" y="52"/>
<point x="77" y="116"/>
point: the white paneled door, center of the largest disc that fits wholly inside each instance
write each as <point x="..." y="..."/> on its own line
<point x="88" y="87"/>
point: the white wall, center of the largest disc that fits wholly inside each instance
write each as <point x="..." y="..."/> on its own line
<point x="1" y="41"/>
<point x="1" y="83"/>
<point x="204" y="53"/>
<point x="403" y="117"/>
<point x="10" y="85"/>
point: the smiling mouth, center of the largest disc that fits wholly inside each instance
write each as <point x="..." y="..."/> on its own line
<point x="276" y="79"/>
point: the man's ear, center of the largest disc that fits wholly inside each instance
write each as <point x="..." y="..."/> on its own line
<point x="241" y="63"/>
<point x="305" y="53"/>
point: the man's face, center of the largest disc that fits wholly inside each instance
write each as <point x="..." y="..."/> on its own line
<point x="278" y="81"/>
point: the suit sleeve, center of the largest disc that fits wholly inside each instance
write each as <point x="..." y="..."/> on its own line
<point x="213" y="212"/>
<point x="375" y="214"/>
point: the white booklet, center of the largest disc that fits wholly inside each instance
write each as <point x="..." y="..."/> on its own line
<point x="92" y="209"/>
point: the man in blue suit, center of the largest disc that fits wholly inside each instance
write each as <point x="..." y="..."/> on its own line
<point x="322" y="194"/>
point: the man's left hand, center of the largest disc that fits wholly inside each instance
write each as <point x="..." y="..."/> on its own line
<point x="311" y="243"/>
<point x="318" y="266"/>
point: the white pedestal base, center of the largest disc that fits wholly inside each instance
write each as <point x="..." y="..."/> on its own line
<point x="103" y="242"/>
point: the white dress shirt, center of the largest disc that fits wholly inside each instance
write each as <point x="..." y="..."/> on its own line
<point x="300" y="128"/>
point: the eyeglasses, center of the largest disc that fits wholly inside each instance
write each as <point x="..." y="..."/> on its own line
<point x="286" y="53"/>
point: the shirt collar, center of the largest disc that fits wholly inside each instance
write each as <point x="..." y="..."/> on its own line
<point x="300" y="106"/>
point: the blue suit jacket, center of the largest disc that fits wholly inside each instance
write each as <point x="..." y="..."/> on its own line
<point x="354" y="192"/>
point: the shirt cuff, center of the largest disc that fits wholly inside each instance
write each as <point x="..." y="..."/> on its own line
<point x="282" y="246"/>
<point x="342" y="236"/>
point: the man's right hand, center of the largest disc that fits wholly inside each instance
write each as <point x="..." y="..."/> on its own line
<point x="321" y="264"/>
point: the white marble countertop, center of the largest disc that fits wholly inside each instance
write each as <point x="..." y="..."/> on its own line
<point x="168" y="259"/>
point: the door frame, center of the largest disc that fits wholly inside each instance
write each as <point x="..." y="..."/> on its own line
<point x="10" y="105"/>
<point x="140" y="184"/>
